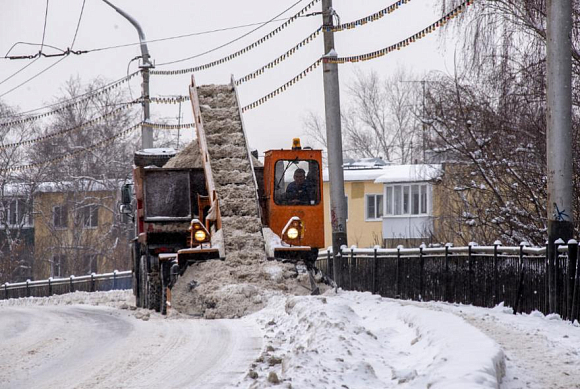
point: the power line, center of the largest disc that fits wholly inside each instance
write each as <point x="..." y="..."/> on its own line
<point x="239" y="52"/>
<point x="236" y="39"/>
<point x="33" y="77"/>
<point x="30" y="44"/>
<point x="186" y="35"/>
<point x="44" y="29"/>
<point x="78" y="25"/>
<point x="79" y="99"/>
<point x="18" y="71"/>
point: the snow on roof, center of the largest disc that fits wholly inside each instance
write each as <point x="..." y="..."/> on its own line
<point x="409" y="173"/>
<point x="87" y="185"/>
<point x="357" y="174"/>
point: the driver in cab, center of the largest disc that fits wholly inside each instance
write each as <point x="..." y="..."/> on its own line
<point x="299" y="191"/>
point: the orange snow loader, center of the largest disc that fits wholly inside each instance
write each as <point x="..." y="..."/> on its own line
<point x="186" y="215"/>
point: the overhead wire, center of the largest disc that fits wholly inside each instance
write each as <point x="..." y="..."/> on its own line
<point x="33" y="77"/>
<point x="44" y="28"/>
<point x="99" y="144"/>
<point x="75" y="101"/>
<point x="244" y="35"/>
<point x="67" y="131"/>
<point x="368" y="56"/>
<point x="78" y="25"/>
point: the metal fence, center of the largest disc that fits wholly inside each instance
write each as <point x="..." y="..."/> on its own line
<point x="89" y="283"/>
<point x="478" y="275"/>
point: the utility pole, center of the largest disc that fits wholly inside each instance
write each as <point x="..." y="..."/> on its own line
<point x="146" y="132"/>
<point x="333" y="139"/>
<point x="559" y="133"/>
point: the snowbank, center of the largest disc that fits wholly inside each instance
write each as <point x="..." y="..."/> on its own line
<point x="358" y="340"/>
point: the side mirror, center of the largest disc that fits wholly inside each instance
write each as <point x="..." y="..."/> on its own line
<point x="126" y="194"/>
<point x="126" y="209"/>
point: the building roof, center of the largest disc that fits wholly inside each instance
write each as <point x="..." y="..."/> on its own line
<point x="358" y="174"/>
<point x="409" y="173"/>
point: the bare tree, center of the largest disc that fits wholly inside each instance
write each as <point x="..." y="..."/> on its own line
<point x="380" y="120"/>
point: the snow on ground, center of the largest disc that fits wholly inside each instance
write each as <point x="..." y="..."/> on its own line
<point x="338" y="340"/>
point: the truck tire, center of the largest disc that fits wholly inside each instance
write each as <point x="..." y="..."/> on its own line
<point x="155" y="292"/>
<point x="164" y="269"/>
<point x="135" y="280"/>
<point x="143" y="292"/>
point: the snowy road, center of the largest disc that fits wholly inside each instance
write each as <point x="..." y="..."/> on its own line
<point x="101" y="347"/>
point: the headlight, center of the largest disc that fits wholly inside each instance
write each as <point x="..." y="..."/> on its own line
<point x="200" y="235"/>
<point x="292" y="233"/>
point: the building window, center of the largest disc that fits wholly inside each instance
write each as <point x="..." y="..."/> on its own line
<point x="90" y="216"/>
<point x="19" y="213"/>
<point x="406" y="199"/>
<point x="60" y="216"/>
<point x="374" y="208"/>
<point x="57" y="266"/>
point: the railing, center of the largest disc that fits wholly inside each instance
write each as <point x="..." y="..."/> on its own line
<point x="478" y="275"/>
<point x="52" y="286"/>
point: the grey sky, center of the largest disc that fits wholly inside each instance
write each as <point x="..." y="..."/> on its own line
<point x="271" y="125"/>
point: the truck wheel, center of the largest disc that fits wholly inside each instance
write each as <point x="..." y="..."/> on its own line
<point x="143" y="292"/>
<point x="155" y="292"/>
<point x="164" y="269"/>
<point x="136" y="284"/>
<point x="163" y="302"/>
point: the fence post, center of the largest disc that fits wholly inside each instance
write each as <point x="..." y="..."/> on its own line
<point x="350" y="266"/>
<point x="557" y="285"/>
<point x="495" y="276"/>
<point x="575" y="297"/>
<point x="421" y="271"/>
<point x="71" y="287"/>
<point x="6" y="290"/>
<point x="27" y="288"/>
<point x="520" y="286"/>
<point x="398" y="273"/>
<point x="329" y="263"/>
<point x="572" y="264"/>
<point x="93" y="285"/>
<point x="115" y="279"/>
<point x="470" y="272"/>
<point x="446" y="293"/>
<point x="374" y="286"/>
<point x="49" y="286"/>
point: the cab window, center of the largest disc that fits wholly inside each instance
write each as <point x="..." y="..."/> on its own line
<point x="297" y="182"/>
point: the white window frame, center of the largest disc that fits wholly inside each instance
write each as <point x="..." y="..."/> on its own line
<point x="27" y="218"/>
<point x="88" y="210"/>
<point x="373" y="196"/>
<point x="54" y="211"/>
<point x="395" y="207"/>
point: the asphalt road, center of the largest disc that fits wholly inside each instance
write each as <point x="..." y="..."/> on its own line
<point x="100" y="347"/>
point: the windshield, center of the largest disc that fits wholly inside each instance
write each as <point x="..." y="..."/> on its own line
<point x="297" y="182"/>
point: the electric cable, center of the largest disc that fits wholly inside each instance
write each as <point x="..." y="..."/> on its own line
<point x="66" y="131"/>
<point x="240" y="37"/>
<point x="75" y="100"/>
<point x="44" y="29"/>
<point x="33" y="77"/>
<point x="78" y="25"/>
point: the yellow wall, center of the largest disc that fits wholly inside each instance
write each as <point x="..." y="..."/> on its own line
<point x="76" y="242"/>
<point x="359" y="232"/>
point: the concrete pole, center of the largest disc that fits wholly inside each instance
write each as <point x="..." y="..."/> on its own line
<point x="559" y="132"/>
<point x="334" y="140"/>
<point x="146" y="132"/>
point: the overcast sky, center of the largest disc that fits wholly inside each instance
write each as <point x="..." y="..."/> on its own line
<point x="273" y="124"/>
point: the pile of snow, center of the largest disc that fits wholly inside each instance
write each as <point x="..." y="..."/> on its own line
<point x="359" y="340"/>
